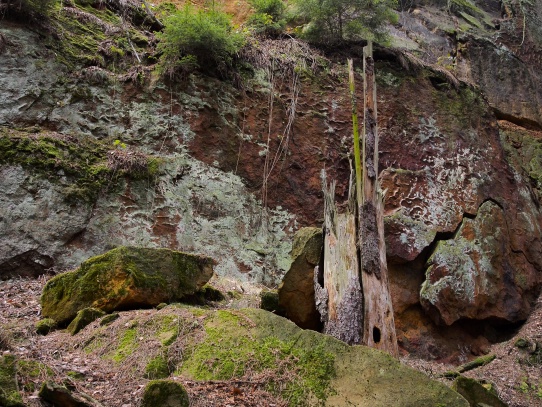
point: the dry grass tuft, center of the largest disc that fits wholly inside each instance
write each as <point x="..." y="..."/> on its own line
<point x="6" y="342"/>
<point x="127" y="160"/>
<point x="286" y="56"/>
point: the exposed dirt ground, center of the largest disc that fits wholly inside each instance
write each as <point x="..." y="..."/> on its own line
<point x="516" y="372"/>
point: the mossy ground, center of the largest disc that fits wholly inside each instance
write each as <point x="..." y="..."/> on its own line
<point x="9" y="394"/>
<point x="229" y="350"/>
<point x="32" y="373"/>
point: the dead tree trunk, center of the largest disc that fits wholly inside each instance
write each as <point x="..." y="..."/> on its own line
<point x="338" y="294"/>
<point x="378" y="321"/>
<point x="351" y="282"/>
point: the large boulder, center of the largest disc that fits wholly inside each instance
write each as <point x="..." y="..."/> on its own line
<point x="296" y="292"/>
<point x="257" y="350"/>
<point x="322" y="370"/>
<point x="473" y="275"/>
<point x="124" y="278"/>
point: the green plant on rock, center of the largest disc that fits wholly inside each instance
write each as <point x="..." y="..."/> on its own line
<point x="331" y="22"/>
<point x="85" y="165"/>
<point x="205" y="37"/>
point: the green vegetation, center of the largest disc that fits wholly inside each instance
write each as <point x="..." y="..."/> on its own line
<point x="9" y="394"/>
<point x="461" y="7"/>
<point x="109" y="318"/>
<point x="33" y="10"/>
<point x="269" y="17"/>
<point x="295" y="373"/>
<point x="81" y="164"/>
<point x="157" y="368"/>
<point x="195" y="38"/>
<point x="127" y="345"/>
<point x="125" y="277"/>
<point x="331" y="22"/>
<point x="32" y="373"/>
<point x="528" y="158"/>
<point x="476" y="393"/>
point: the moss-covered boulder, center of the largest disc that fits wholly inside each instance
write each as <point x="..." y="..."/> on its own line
<point x="44" y="326"/>
<point x="475" y="393"/>
<point x="9" y="394"/>
<point x="125" y="278"/>
<point x="165" y="393"/>
<point x="296" y="292"/>
<point x="308" y="368"/>
<point x="83" y="318"/>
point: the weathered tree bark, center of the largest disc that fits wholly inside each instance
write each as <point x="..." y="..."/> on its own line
<point x="378" y="320"/>
<point x="338" y="294"/>
<point x="351" y="282"/>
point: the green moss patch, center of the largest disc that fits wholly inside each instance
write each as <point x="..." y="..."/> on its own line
<point x="157" y="368"/>
<point x="127" y="345"/>
<point x="85" y="35"/>
<point x="80" y="164"/>
<point x="9" y="394"/>
<point x="44" y="326"/>
<point x="302" y="367"/>
<point x="476" y="393"/>
<point x="32" y="373"/>
<point x="524" y="151"/>
<point x="83" y="318"/>
<point x="231" y="351"/>
<point x="109" y="318"/>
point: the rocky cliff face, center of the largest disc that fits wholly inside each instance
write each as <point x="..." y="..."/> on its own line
<point x="463" y="217"/>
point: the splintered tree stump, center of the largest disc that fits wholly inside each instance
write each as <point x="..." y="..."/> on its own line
<point x="351" y="281"/>
<point x="339" y="298"/>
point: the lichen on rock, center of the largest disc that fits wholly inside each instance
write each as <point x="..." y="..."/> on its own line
<point x="471" y="275"/>
<point x="124" y="278"/>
